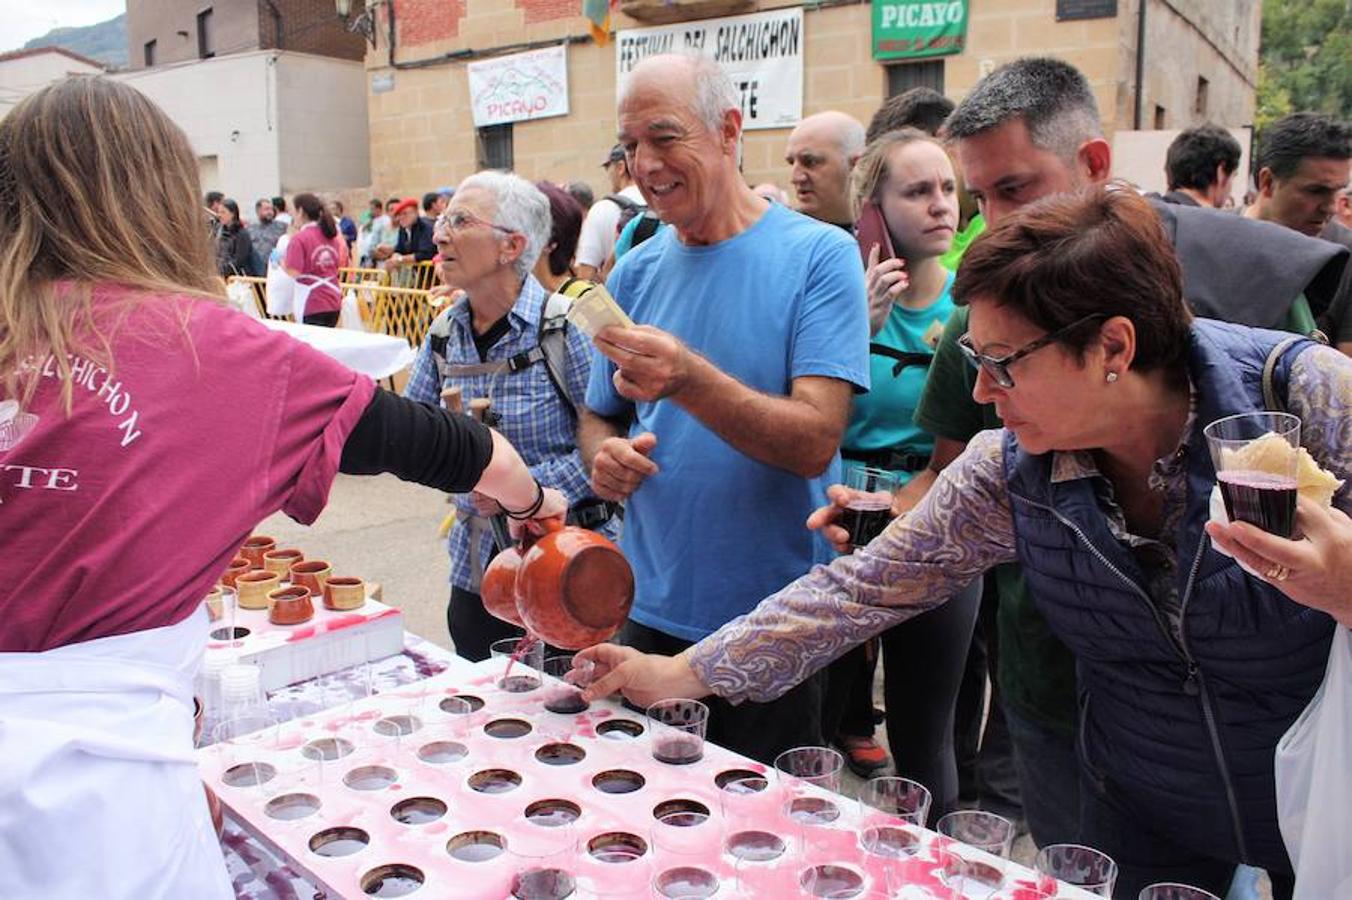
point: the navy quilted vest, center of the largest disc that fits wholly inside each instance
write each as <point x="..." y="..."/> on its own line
<point x="1180" y="728"/>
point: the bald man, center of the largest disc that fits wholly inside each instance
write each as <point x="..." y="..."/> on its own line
<point x="821" y="152"/>
<point x="718" y="418"/>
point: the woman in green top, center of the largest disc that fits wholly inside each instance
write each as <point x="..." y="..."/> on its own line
<point x="908" y="176"/>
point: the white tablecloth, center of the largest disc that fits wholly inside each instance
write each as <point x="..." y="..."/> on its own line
<point x="376" y="355"/>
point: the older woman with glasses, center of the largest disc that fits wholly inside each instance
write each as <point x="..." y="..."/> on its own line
<point x="500" y="340"/>
<point x="1190" y="667"/>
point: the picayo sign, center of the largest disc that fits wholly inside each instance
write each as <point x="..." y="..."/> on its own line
<point x="911" y="29"/>
<point x="762" y="54"/>
<point x="519" y="87"/>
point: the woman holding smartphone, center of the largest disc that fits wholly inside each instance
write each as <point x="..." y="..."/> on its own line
<point x="906" y="193"/>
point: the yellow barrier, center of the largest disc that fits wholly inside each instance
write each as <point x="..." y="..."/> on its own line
<point x="354" y="275"/>
<point x="415" y="276"/>
<point x="400" y="312"/>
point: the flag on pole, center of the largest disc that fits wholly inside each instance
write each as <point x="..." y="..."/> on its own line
<point x="598" y="11"/>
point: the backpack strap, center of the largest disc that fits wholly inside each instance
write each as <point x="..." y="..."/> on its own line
<point x="647" y="227"/>
<point x="624" y="203"/>
<point x="903" y="358"/>
<point x="438" y="334"/>
<point x="553" y="342"/>
<point x="1271" y="399"/>
<point x="551" y="349"/>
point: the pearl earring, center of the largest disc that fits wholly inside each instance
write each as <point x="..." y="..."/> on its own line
<point x="1112" y="377"/>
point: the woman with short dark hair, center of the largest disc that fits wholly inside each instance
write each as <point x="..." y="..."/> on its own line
<point x="554" y="268"/>
<point x="1190" y="667"/>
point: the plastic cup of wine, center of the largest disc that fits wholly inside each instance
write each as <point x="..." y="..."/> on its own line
<point x="805" y="775"/>
<point x="870" y="507"/>
<point x="686" y="847"/>
<point x="677" y="729"/>
<point x="523" y="659"/>
<point x="543" y="860"/>
<point x="1256" y="467"/>
<point x="567" y="677"/>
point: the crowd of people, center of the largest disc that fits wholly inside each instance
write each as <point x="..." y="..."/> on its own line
<point x="959" y="296"/>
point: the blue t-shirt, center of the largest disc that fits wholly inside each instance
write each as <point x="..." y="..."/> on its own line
<point x="882" y="418"/>
<point x="715" y="531"/>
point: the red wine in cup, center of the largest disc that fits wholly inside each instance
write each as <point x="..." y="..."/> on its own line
<point x="1267" y="501"/>
<point x="865" y="518"/>
<point x="678" y="751"/>
<point x="543" y="884"/>
<point x="567" y="703"/>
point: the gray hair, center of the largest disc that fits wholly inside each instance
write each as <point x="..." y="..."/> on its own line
<point x="1052" y="97"/>
<point x="520" y="206"/>
<point x="714" y="93"/>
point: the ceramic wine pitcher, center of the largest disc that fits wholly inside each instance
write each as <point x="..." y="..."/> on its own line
<point x="570" y="586"/>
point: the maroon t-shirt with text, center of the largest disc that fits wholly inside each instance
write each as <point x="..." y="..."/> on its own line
<point x="310" y="253"/>
<point x="121" y="517"/>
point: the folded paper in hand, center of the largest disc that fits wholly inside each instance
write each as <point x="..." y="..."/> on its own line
<point x="596" y="309"/>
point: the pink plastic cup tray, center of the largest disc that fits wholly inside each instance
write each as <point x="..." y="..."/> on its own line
<point x="395" y="796"/>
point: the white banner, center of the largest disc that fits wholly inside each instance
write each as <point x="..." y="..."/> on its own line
<point x="519" y="87"/>
<point x="762" y="54"/>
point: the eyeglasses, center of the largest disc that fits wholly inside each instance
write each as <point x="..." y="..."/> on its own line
<point x="461" y="219"/>
<point x="998" y="367"/>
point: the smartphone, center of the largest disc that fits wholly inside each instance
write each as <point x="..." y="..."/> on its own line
<point x="871" y="229"/>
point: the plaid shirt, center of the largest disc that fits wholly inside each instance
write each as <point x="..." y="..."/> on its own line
<point x="534" y="418"/>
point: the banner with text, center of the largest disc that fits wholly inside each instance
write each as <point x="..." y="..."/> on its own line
<point x="519" y="87"/>
<point x="913" y="29"/>
<point x="762" y="54"/>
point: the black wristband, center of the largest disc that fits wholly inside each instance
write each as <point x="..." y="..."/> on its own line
<point x="534" y="508"/>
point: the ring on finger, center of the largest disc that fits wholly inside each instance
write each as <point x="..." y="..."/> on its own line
<point x="1278" y="572"/>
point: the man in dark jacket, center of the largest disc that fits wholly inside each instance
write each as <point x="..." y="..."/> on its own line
<point x="264" y="234"/>
<point x="1200" y="166"/>
<point x="415" y="236"/>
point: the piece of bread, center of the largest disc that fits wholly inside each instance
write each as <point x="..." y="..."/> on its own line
<point x="1272" y="454"/>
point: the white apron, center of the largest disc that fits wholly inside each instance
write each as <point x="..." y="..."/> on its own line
<point x="99" y="790"/>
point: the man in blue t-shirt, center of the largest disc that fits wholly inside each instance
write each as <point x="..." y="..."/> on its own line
<point x="718" y="418"/>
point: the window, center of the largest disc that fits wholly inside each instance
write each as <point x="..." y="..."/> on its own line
<point x="495" y="147"/>
<point x="1203" y="88"/>
<point x="205" y="45"/>
<point x="150" y="54"/>
<point x="904" y="76"/>
<point x="1159" y="117"/>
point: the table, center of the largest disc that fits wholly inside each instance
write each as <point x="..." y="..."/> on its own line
<point x="256" y="872"/>
<point x="515" y="744"/>
<point x="376" y="355"/>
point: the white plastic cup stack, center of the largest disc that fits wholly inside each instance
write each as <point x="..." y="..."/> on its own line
<point x="241" y="689"/>
<point x="208" y="686"/>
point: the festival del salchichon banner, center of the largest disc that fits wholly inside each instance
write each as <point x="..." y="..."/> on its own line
<point x="762" y="53"/>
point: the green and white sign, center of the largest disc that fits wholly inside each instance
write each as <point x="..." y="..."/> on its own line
<point x="913" y="29"/>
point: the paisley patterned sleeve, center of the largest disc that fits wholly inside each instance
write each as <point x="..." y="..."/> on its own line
<point x="1319" y="390"/>
<point x="959" y="530"/>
